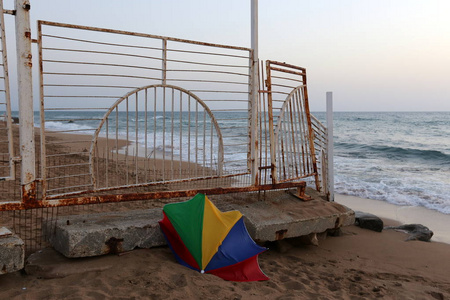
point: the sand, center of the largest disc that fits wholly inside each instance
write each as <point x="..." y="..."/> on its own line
<point x="358" y="264"/>
<point x="436" y="221"/>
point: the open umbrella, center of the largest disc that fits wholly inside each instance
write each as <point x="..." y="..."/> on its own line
<point x="210" y="241"/>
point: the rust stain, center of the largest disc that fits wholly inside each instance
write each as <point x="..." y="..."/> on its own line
<point x="114" y="245"/>
<point x="29" y="199"/>
<point x="279" y="235"/>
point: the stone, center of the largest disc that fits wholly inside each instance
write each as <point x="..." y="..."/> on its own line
<point x="416" y="232"/>
<point x="12" y="252"/>
<point x="368" y="221"/>
<point x="103" y="233"/>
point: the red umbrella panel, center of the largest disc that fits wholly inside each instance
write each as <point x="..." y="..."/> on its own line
<point x="210" y="241"/>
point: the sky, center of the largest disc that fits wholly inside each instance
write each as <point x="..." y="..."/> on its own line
<point x="373" y="55"/>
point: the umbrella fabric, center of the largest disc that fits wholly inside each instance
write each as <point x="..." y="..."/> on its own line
<point x="210" y="241"/>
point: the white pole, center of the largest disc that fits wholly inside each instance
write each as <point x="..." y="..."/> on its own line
<point x="330" y="149"/>
<point x="254" y="84"/>
<point x="25" y="93"/>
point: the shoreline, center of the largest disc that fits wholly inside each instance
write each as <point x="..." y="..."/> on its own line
<point x="436" y="221"/>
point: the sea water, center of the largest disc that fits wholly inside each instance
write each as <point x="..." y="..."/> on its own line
<point x="399" y="157"/>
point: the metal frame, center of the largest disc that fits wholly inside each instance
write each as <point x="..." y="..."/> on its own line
<point x="168" y="70"/>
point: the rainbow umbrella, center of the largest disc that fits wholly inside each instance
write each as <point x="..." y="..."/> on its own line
<point x="210" y="241"/>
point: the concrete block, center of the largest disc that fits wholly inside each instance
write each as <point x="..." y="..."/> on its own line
<point x="103" y="233"/>
<point x="12" y="252"/>
<point x="286" y="217"/>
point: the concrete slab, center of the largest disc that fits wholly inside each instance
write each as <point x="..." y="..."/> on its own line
<point x="268" y="216"/>
<point x="12" y="252"/>
<point x="103" y="233"/>
<point x="280" y="215"/>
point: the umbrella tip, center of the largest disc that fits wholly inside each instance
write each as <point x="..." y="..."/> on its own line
<point x="202" y="271"/>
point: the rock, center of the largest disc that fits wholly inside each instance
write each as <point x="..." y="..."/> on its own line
<point x="368" y="221"/>
<point x="416" y="232"/>
<point x="12" y="252"/>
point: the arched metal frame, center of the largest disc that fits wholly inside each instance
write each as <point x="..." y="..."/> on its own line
<point x="92" y="153"/>
<point x="295" y="157"/>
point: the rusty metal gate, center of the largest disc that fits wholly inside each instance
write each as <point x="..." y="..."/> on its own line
<point x="155" y="117"/>
<point x="126" y="116"/>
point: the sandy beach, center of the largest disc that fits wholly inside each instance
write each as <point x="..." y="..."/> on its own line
<point x="358" y="264"/>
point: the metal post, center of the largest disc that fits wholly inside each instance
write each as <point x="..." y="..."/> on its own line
<point x="330" y="148"/>
<point x="25" y="93"/>
<point x="12" y="173"/>
<point x="254" y="93"/>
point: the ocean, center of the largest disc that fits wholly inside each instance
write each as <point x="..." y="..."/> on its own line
<point x="399" y="157"/>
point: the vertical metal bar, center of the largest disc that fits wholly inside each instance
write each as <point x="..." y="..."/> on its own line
<point x="44" y="183"/>
<point x="171" y="135"/>
<point x="254" y="86"/>
<point x="117" y="146"/>
<point x="310" y="133"/>
<point x="25" y="95"/>
<point x="196" y="137"/>
<point x="189" y="135"/>
<point x="330" y="146"/>
<point x="154" y="134"/>
<point x="12" y="169"/>
<point x="128" y="139"/>
<point x="136" y="141"/>
<point x="107" y="154"/>
<point x="294" y="149"/>
<point x="204" y="143"/>
<point x="272" y="140"/>
<point x="302" y="133"/>
<point x="181" y="132"/>
<point x="164" y="61"/>
<point x="211" y="146"/>
<point x="145" y="135"/>
<point x="164" y="136"/>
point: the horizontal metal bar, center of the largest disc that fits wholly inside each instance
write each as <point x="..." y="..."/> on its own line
<point x="83" y="119"/>
<point x="100" y="64"/>
<point x="225" y="100"/>
<point x="208" y="71"/>
<point x="66" y="154"/>
<point x="208" y="53"/>
<point x="287" y="78"/>
<point x="101" y="75"/>
<point x="207" y="81"/>
<point x="101" y="52"/>
<point x="75" y="96"/>
<point x="68" y="176"/>
<point x="287" y="71"/>
<point x="76" y="108"/>
<point x="273" y="62"/>
<point x="212" y="91"/>
<point x="165" y="194"/>
<point x="207" y="64"/>
<point x="65" y="166"/>
<point x="101" y="43"/>
<point x="94" y="86"/>
<point x="48" y="23"/>
<point x="69" y="187"/>
<point x="68" y="142"/>
<point x="72" y="130"/>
